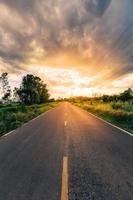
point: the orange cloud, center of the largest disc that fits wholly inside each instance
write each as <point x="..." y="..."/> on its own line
<point x="77" y="46"/>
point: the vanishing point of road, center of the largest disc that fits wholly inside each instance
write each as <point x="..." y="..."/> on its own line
<point x="66" y="154"/>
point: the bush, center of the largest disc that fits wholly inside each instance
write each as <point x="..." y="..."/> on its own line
<point x="12" y="117"/>
<point x="128" y="108"/>
<point x="23" y="108"/>
<point x="117" y="106"/>
<point x="116" y="113"/>
<point x="2" y="128"/>
<point x="12" y="109"/>
<point x="9" y="117"/>
<point x="121" y="116"/>
<point x="15" y="125"/>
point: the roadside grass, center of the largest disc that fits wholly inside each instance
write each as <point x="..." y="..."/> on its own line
<point x="15" y="115"/>
<point x="119" y="114"/>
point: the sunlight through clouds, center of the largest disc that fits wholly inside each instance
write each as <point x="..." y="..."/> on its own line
<point x="86" y="45"/>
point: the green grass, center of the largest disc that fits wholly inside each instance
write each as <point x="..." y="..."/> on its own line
<point x="120" y="114"/>
<point x="14" y="116"/>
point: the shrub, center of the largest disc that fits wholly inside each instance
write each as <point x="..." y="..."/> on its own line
<point x="117" y="113"/>
<point x="14" y="116"/>
<point x="23" y="108"/>
<point x="15" y="125"/>
<point x="128" y="108"/>
<point x="9" y="117"/>
<point x="117" y="106"/>
<point x="2" y="128"/>
<point x="12" y="109"/>
<point x="121" y="116"/>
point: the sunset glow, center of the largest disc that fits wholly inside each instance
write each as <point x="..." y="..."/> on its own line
<point x="77" y="47"/>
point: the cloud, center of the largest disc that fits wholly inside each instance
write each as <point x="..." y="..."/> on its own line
<point x="90" y="36"/>
<point x="97" y="7"/>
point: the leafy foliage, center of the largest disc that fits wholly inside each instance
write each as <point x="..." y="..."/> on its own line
<point x="127" y="95"/>
<point x="32" y="90"/>
<point x="120" y="114"/>
<point x="15" y="115"/>
<point x="6" y="90"/>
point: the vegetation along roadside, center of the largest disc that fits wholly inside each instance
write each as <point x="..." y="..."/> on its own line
<point x="24" y="103"/>
<point x="116" y="109"/>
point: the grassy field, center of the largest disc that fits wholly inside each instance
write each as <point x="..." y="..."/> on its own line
<point x="14" y="116"/>
<point x="120" y="114"/>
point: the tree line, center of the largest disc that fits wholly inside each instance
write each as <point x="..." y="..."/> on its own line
<point x="127" y="95"/>
<point x="32" y="90"/>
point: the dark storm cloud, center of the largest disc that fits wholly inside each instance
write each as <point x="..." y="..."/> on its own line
<point x="99" y="32"/>
<point x="97" y="7"/>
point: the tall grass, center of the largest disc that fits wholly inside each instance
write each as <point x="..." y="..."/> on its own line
<point x="120" y="114"/>
<point x="13" y="116"/>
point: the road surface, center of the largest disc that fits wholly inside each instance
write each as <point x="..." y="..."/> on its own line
<point x="66" y="150"/>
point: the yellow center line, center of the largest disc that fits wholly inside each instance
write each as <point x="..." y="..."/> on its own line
<point x="64" y="189"/>
<point x="65" y="123"/>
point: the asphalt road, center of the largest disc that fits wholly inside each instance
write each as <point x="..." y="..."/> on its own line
<point x="100" y="158"/>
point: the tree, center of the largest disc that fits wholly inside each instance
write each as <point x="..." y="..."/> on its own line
<point x="127" y="95"/>
<point x="32" y="90"/>
<point x="6" y="90"/>
<point x="105" y="98"/>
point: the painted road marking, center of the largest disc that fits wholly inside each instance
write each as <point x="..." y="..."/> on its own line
<point x="64" y="189"/>
<point x="87" y="112"/>
<point x="8" y="133"/>
<point x="111" y="124"/>
<point x="65" y="123"/>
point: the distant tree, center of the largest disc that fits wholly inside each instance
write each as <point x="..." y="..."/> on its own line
<point x="15" y="95"/>
<point x="105" y="98"/>
<point x="114" y="98"/>
<point x="6" y="89"/>
<point x="127" y="95"/>
<point x="32" y="90"/>
<point x="109" y="98"/>
<point x="51" y="100"/>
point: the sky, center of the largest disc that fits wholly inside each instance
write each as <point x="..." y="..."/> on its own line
<point x="78" y="47"/>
